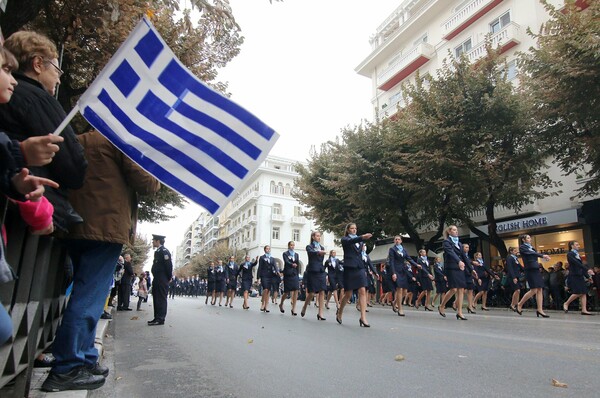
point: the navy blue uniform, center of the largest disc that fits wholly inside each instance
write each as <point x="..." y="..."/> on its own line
<point x="514" y="271"/>
<point x="315" y="270"/>
<point x="577" y="274"/>
<point x="245" y="270"/>
<point x="331" y="265"/>
<point x="397" y="261"/>
<point x="532" y="267"/>
<point x="291" y="281"/>
<point x="453" y="253"/>
<point x="220" y="278"/>
<point x="266" y="271"/>
<point x="441" y="285"/>
<point x="162" y="269"/>
<point x="354" y="274"/>
<point x="424" y="274"/>
<point x="232" y="272"/>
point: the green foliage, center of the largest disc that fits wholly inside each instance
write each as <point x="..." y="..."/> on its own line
<point x="562" y="79"/>
<point x="155" y="208"/>
<point x="199" y="263"/>
<point x="139" y="252"/>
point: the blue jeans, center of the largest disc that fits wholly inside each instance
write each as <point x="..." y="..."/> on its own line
<point x="93" y="266"/>
<point x="6" y="325"/>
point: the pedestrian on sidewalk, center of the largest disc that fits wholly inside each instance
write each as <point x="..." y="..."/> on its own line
<point x="142" y="290"/>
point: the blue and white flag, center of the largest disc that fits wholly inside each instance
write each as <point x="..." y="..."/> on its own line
<point x="190" y="137"/>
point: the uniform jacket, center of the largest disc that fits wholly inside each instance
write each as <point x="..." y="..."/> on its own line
<point x="289" y="272"/>
<point x="453" y="254"/>
<point x="162" y="266"/>
<point x="397" y="260"/>
<point x="232" y="271"/>
<point x="352" y="256"/>
<point x="246" y="270"/>
<point x="266" y="267"/>
<point x="576" y="266"/>
<point x="108" y="199"/>
<point x="530" y="256"/>
<point x="315" y="260"/>
<point x="513" y="267"/>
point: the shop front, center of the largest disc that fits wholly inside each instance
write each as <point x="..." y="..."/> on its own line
<point x="550" y="234"/>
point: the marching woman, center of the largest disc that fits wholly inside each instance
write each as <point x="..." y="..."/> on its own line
<point x="533" y="275"/>
<point x="245" y="271"/>
<point x="441" y="281"/>
<point x="471" y="279"/>
<point x="425" y="278"/>
<point x="485" y="274"/>
<point x="514" y="271"/>
<point x="331" y="265"/>
<point x="371" y="275"/>
<point x="354" y="274"/>
<point x="266" y="271"/>
<point x="576" y="280"/>
<point x="232" y="272"/>
<point x="220" y="280"/>
<point x="315" y="274"/>
<point x="400" y="271"/>
<point x="386" y="285"/>
<point x="211" y="278"/>
<point x="454" y="265"/>
<point x="291" y="282"/>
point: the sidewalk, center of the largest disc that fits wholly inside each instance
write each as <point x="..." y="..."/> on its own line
<point x="39" y="374"/>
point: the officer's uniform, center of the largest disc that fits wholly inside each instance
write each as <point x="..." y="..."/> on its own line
<point x="162" y="269"/>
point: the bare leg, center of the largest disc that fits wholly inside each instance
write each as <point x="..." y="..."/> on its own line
<point x="308" y="300"/>
<point x="526" y="297"/>
<point x="245" y="299"/>
<point x="362" y="298"/>
<point x="343" y="302"/>
<point x="265" y="300"/>
<point x="320" y="297"/>
<point x="399" y="296"/>
<point x="459" y="301"/>
<point x="294" y="299"/>
<point x="484" y="299"/>
<point x="445" y="299"/>
<point x="515" y="298"/>
<point x="283" y="297"/>
<point x="539" y="299"/>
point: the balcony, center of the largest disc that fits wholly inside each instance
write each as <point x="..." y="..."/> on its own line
<point x="501" y="212"/>
<point x="252" y="220"/>
<point x="277" y="218"/>
<point x="298" y="220"/>
<point x="405" y="65"/>
<point x="466" y="16"/>
<point x="506" y="39"/>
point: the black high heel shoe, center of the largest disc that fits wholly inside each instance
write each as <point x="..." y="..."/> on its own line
<point x="339" y="320"/>
<point x="267" y="311"/>
<point x="302" y="313"/>
<point x="518" y="312"/>
<point x="484" y="309"/>
<point x="566" y="309"/>
<point x="428" y="309"/>
<point x="539" y="314"/>
<point x="281" y="310"/>
<point x="460" y="318"/>
<point x="440" y="311"/>
<point x="471" y="311"/>
<point x="363" y="324"/>
<point x="400" y="314"/>
<point x="320" y="318"/>
<point x="513" y="309"/>
<point x="294" y="313"/>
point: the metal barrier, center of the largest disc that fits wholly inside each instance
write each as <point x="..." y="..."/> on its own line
<point x="35" y="300"/>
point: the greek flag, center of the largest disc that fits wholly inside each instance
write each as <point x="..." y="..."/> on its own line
<point x="190" y="137"/>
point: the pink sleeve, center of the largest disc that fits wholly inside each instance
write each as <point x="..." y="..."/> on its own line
<point x="38" y="215"/>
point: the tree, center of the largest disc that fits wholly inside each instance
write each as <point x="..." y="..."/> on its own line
<point x="199" y="263"/>
<point x="477" y="148"/>
<point x="562" y="78"/>
<point x="139" y="252"/>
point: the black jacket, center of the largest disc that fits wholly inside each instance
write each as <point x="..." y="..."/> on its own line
<point x="32" y="111"/>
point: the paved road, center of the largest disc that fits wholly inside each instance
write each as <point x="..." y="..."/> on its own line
<point x="211" y="351"/>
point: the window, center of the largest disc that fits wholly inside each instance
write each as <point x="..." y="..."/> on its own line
<point x="511" y="70"/>
<point x="273" y="187"/>
<point x="253" y="234"/>
<point x="422" y="39"/>
<point x="463" y="48"/>
<point x="276" y="208"/>
<point x="296" y="235"/>
<point x="500" y="23"/>
<point x="297" y="211"/>
<point x="275" y="234"/>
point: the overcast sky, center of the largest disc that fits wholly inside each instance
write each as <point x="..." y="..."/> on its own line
<point x="296" y="72"/>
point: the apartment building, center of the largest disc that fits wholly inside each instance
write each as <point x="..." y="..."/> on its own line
<point x="417" y="37"/>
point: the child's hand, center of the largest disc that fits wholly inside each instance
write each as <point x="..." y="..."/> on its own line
<point x="39" y="151"/>
<point x="31" y="186"/>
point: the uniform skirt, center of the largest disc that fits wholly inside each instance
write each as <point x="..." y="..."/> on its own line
<point x="266" y="283"/>
<point x="401" y="281"/>
<point x="469" y="281"/>
<point x="386" y="284"/>
<point x="514" y="286"/>
<point x="291" y="284"/>
<point x="339" y="276"/>
<point x="232" y="285"/>
<point x="333" y="283"/>
<point x="441" y="286"/>
<point x="315" y="282"/>
<point x="426" y="283"/>
<point x="220" y="286"/>
<point x="534" y="278"/>
<point x="210" y="286"/>
<point x="456" y="279"/>
<point x="577" y="284"/>
<point x="355" y="278"/>
<point x="246" y="285"/>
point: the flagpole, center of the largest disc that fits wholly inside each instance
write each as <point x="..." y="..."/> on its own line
<point x="64" y="123"/>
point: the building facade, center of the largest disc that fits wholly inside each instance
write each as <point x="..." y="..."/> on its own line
<point x="417" y="37"/>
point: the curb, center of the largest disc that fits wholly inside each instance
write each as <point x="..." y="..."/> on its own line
<point x="39" y="374"/>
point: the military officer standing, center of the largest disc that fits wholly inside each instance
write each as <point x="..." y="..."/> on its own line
<point x="162" y="269"/>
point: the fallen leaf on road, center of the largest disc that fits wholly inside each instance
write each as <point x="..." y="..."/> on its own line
<point x="119" y="378"/>
<point x="462" y="356"/>
<point x="262" y="327"/>
<point x="134" y="318"/>
<point x="250" y="341"/>
<point x="557" y="383"/>
<point x="399" y="358"/>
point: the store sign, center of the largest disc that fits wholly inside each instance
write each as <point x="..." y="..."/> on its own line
<point x="542" y="220"/>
